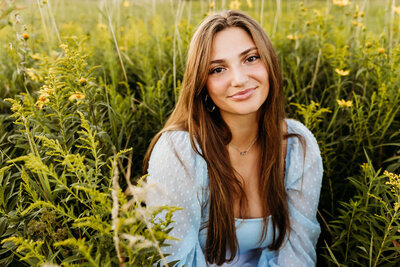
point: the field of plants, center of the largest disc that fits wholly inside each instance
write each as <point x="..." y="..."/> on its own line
<point x="85" y="85"/>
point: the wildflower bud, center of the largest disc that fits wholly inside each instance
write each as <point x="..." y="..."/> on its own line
<point x="44" y="2"/>
<point x="347" y="13"/>
<point x="355" y="15"/>
<point x="362" y="14"/>
<point x="303" y="9"/>
<point x="308" y="23"/>
<point x="369" y="44"/>
<point x="381" y="50"/>
<point x="25" y="36"/>
<point x="82" y="81"/>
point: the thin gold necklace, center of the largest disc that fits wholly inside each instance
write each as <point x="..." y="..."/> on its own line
<point x="245" y="152"/>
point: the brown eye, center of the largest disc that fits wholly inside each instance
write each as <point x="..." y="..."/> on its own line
<point x="216" y="70"/>
<point x="252" y="58"/>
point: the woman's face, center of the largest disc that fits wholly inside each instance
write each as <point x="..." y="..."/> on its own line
<point x="238" y="80"/>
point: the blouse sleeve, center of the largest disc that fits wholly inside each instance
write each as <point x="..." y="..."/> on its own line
<point x="303" y="185"/>
<point x="172" y="172"/>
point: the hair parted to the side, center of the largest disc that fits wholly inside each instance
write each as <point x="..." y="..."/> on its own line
<point x="212" y="134"/>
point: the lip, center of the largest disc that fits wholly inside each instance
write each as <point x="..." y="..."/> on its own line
<point x="243" y="95"/>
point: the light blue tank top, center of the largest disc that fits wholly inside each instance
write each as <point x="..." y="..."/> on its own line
<point x="248" y="233"/>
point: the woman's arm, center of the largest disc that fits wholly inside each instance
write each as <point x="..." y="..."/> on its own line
<point x="303" y="185"/>
<point x="172" y="169"/>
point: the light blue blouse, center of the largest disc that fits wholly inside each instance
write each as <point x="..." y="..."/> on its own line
<point x="179" y="177"/>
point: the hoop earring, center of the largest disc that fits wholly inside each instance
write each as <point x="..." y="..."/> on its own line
<point x="207" y="105"/>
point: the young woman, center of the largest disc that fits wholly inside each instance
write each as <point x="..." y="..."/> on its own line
<point x="247" y="178"/>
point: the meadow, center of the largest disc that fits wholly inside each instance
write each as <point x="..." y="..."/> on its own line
<point x="85" y="85"/>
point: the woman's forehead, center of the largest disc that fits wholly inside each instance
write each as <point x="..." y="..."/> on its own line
<point x="230" y="42"/>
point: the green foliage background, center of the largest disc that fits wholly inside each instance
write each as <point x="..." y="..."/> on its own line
<point x="125" y="59"/>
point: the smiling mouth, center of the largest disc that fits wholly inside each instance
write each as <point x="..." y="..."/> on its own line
<point x="243" y="95"/>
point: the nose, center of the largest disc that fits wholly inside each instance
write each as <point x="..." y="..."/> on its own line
<point x="239" y="77"/>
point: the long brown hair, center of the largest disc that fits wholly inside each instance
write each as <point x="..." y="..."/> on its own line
<point x="212" y="134"/>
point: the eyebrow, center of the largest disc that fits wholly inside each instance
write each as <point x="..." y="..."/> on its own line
<point x="241" y="54"/>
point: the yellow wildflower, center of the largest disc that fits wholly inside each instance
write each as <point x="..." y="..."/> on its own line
<point x="126" y="4"/>
<point x="25" y="36"/>
<point x="291" y="37"/>
<point x="44" y="2"/>
<point x="381" y="50"/>
<point x="250" y="4"/>
<point x="397" y="10"/>
<point x="36" y="56"/>
<point x="344" y="103"/>
<point x="101" y="26"/>
<point x="342" y="72"/>
<point x="76" y="96"/>
<point x="317" y="12"/>
<point x="64" y="47"/>
<point x="235" y="4"/>
<point x="364" y="166"/>
<point x="341" y="2"/>
<point x="33" y="75"/>
<point x="82" y="81"/>
<point x="358" y="24"/>
<point x="394" y="179"/>
<point x="43" y="99"/>
<point x="212" y="4"/>
<point x="46" y="91"/>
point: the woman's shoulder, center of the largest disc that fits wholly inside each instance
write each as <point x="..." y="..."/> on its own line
<point x="298" y="128"/>
<point x="176" y="141"/>
<point x="303" y="158"/>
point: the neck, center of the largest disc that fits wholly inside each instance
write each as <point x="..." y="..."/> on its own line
<point x="244" y="129"/>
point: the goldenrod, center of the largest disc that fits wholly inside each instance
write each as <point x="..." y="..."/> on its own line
<point x="342" y="72"/>
<point x="76" y="96"/>
<point x="344" y="103"/>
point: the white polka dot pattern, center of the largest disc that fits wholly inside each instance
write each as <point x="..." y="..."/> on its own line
<point x="180" y="176"/>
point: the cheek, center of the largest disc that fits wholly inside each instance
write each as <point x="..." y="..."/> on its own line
<point x="216" y="87"/>
<point x="261" y="72"/>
